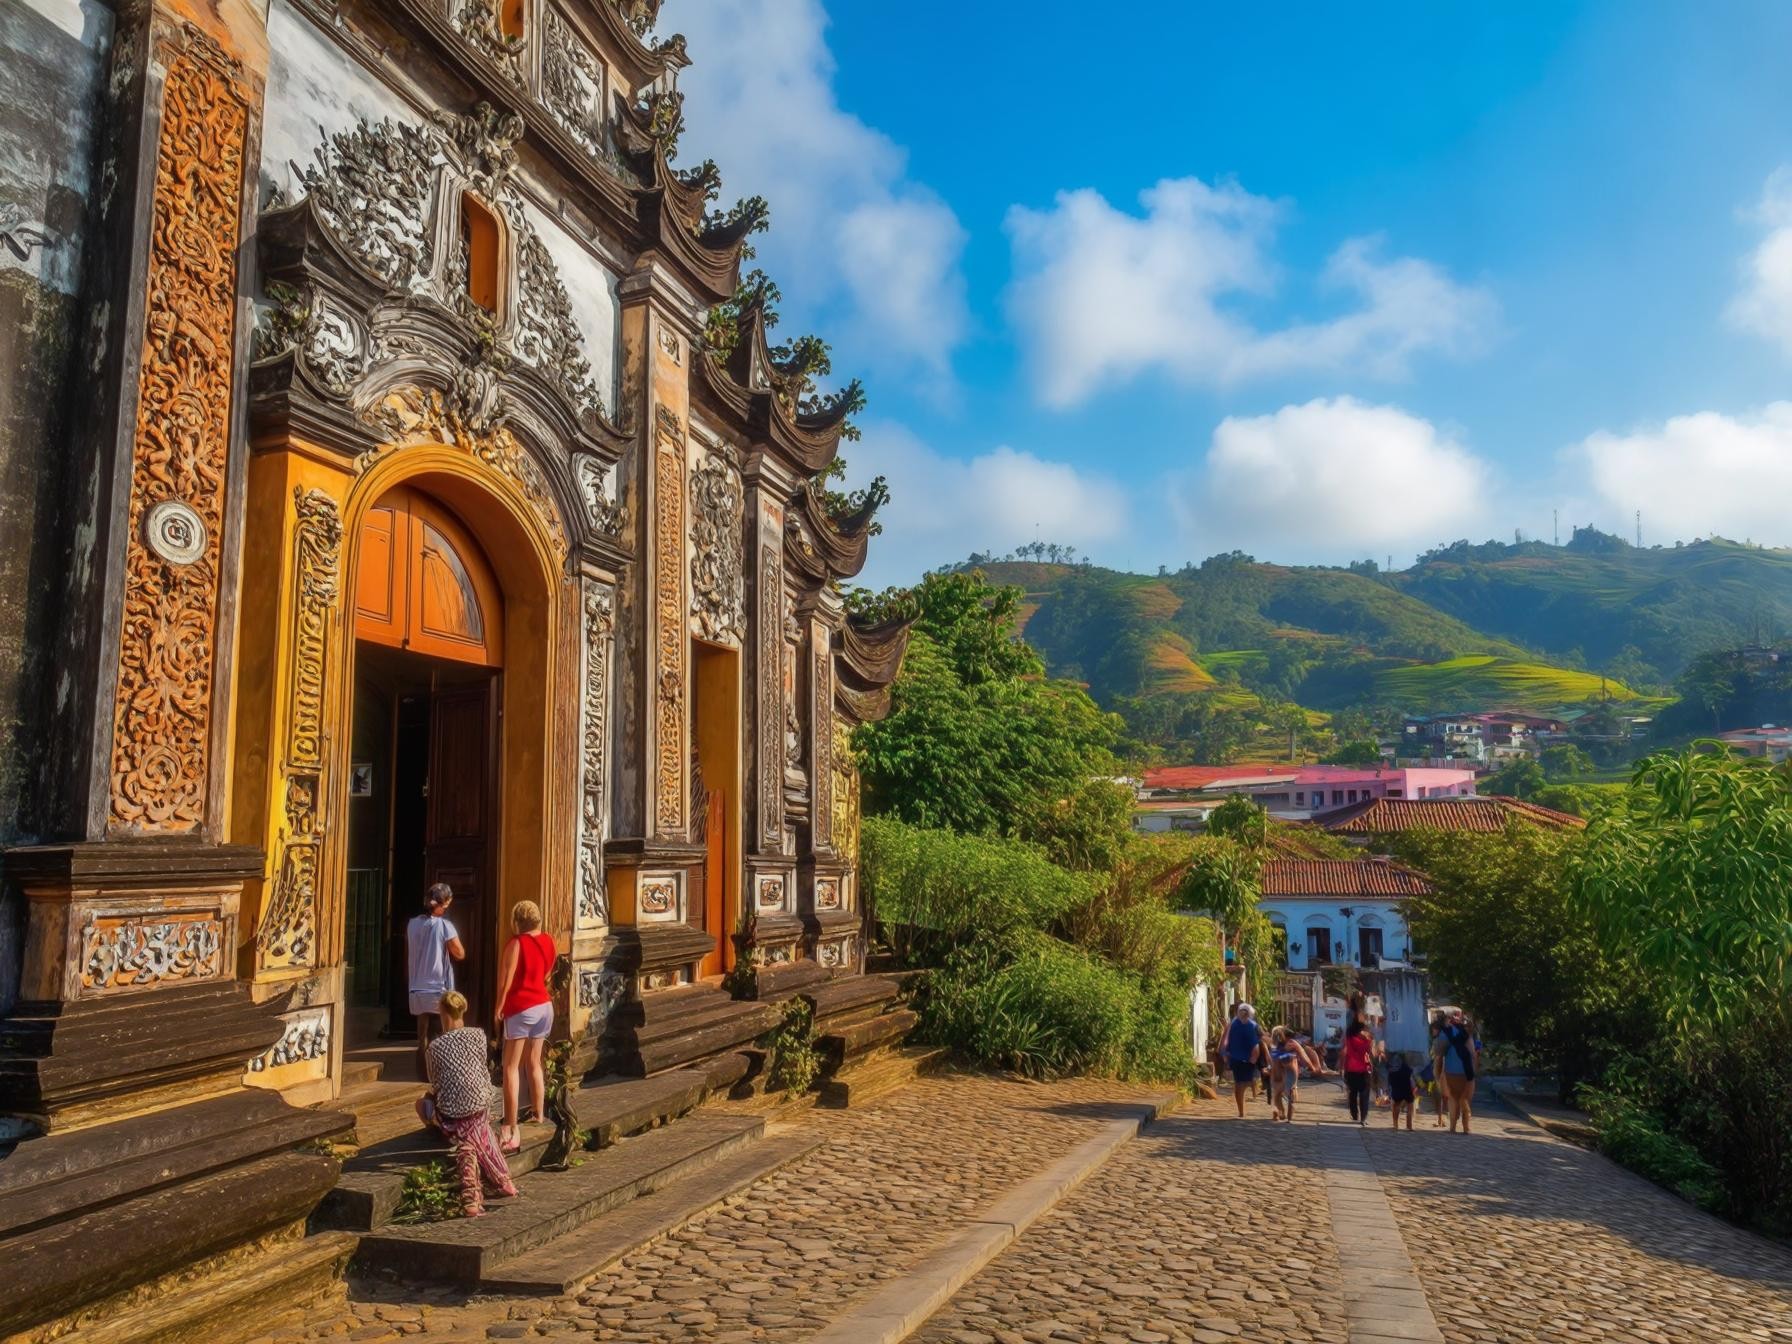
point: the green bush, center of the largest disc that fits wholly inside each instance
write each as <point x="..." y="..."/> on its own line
<point x="933" y="889"/>
<point x="1632" y="1134"/>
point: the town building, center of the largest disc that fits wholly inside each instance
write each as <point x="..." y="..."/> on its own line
<point x="1492" y="737"/>
<point x="1179" y="797"/>
<point x="434" y="509"/>
<point x="1768" y="742"/>
<point x="1340" y="912"/>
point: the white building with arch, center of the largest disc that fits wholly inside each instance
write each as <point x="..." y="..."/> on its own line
<point x="1341" y="912"/>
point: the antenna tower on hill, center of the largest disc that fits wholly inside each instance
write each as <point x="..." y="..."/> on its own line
<point x="1555" y="524"/>
<point x="1639" y="529"/>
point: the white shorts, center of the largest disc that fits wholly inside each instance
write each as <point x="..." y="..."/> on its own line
<point x="531" y="1024"/>
<point x="426" y="1001"/>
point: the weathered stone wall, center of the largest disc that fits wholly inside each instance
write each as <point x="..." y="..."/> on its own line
<point x="51" y="71"/>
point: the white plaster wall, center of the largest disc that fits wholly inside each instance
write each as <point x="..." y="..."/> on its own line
<point x="314" y="90"/>
<point x="1298" y="916"/>
<point x="591" y="286"/>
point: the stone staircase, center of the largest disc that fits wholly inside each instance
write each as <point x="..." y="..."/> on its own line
<point x="674" y="1028"/>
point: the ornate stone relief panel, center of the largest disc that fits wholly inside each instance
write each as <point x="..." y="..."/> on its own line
<point x="477" y="21"/>
<point x="390" y="193"/>
<point x="771" y="890"/>
<point x="835" y="955"/>
<point x="822" y="725"/>
<point x="120" y="952"/>
<point x="600" y="990"/>
<point x="167" y="661"/>
<point x="593" y="909"/>
<point x="572" y="82"/>
<point x="658" y="898"/>
<point x="827" y="893"/>
<point x="718" y="599"/>
<point x="670" y="638"/>
<point x="772" y="699"/>
<point x="598" y="485"/>
<point x="306" y="1037"/>
<point x="287" y="935"/>
<point x="845" y="792"/>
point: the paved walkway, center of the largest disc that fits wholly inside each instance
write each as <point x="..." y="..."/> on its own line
<point x="1205" y="1230"/>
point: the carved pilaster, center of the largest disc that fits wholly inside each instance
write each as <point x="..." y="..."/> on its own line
<point x="593" y="908"/>
<point x="287" y="936"/>
<point x="671" y="641"/>
<point x="166" y="729"/>
<point x="768" y="654"/>
<point x="821" y="737"/>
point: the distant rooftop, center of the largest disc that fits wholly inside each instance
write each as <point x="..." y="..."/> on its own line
<point x="1364" y="879"/>
<point x="1388" y="816"/>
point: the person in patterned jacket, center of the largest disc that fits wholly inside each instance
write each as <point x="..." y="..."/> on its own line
<point x="459" y="1105"/>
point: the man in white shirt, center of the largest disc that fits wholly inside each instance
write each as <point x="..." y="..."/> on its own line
<point x="434" y="946"/>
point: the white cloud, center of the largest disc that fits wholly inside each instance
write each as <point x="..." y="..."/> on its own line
<point x="1330" y="479"/>
<point x="849" y="227"/>
<point x="1101" y="296"/>
<point x="1695" y="475"/>
<point x="941" y="509"/>
<point x="1764" y="303"/>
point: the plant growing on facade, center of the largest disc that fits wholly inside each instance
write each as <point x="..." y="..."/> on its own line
<point x="793" y="1060"/>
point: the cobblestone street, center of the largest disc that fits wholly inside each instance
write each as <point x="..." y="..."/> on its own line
<point x="1203" y="1229"/>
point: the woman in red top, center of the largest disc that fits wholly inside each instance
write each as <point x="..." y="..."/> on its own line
<point x="526" y="1012"/>
<point x="1359" y="1052"/>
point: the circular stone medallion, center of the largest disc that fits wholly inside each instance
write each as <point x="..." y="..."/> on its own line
<point x="174" y="532"/>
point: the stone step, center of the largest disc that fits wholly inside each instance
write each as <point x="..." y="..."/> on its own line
<point x="235" y="1301"/>
<point x="840" y="1048"/>
<point x="358" y="1072"/>
<point x="567" y="1263"/>
<point x="696" y="1018"/>
<point x="880" y="1074"/>
<point x="850" y="996"/>
<point x="372" y="1182"/>
<point x="551" y="1205"/>
<point x="749" y="1021"/>
<point x="382" y="1110"/>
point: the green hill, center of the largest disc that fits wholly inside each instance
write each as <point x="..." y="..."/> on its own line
<point x="1599" y="601"/>
<point x="1478" y="679"/>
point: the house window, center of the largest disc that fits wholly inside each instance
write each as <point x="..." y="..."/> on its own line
<point x="1337" y="796"/>
<point x="481" y="241"/>
<point x="1369" y="948"/>
<point x="510" y="18"/>
<point x="1300" y="800"/>
<point x="1319" y="945"/>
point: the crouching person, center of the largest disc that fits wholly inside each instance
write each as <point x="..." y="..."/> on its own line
<point x="459" y="1104"/>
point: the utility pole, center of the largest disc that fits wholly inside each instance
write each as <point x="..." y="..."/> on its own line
<point x="1639" y="529"/>
<point x="1555" y="524"/>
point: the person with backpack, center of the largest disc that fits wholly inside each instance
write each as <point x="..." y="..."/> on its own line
<point x="1462" y="1053"/>
<point x="1432" y="1075"/>
<point x="1242" y="1049"/>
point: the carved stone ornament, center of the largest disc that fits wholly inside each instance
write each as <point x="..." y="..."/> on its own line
<point x="669" y="619"/>
<point x="600" y="990"/>
<point x="593" y="903"/>
<point x="175" y="532"/>
<point x="572" y="83"/>
<point x="133" y="952"/>
<point x="834" y="955"/>
<point x="659" y="896"/>
<point x="412" y="414"/>
<point x="306" y="1037"/>
<point x="822" y="708"/>
<point x="329" y="342"/>
<point x="287" y="933"/>
<point x="602" y="506"/>
<point x="827" y="893"/>
<point x="771" y="681"/>
<point x="781" y="955"/>
<point x="845" y="792"/>
<point x="477" y="21"/>
<point x="167" y="657"/>
<point x="378" y="187"/>
<point x="670" y="343"/>
<point x="771" y="892"/>
<point x="718" y="598"/>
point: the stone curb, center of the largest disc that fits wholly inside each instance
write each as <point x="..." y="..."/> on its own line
<point x="1550" y="1125"/>
<point x="895" y="1311"/>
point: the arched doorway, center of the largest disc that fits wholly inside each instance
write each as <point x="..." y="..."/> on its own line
<point x="424" y="783"/>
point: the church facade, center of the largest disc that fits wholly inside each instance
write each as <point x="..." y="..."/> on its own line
<point x="422" y="501"/>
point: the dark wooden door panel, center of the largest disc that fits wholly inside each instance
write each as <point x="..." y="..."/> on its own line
<point x="462" y="752"/>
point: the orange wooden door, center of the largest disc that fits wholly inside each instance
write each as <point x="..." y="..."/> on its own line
<point x="423" y="584"/>
<point x="715" y="879"/>
<point x="462" y="821"/>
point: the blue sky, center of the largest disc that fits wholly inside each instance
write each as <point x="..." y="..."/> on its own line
<point x="1316" y="281"/>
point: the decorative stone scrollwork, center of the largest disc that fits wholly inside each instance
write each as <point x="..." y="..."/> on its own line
<point x="287" y="934"/>
<point x="477" y="21"/>
<point x="162" y="706"/>
<point x="659" y="897"/>
<point x="593" y="903"/>
<point x="373" y="185"/>
<point x="834" y="955"/>
<point x="572" y="83"/>
<point x="771" y="680"/>
<point x="771" y="892"/>
<point x="718" y="600"/>
<point x="670" y="637"/>
<point x="822" y="724"/>
<point x="130" y="952"/>
<point x="827" y="893"/>
<point x="547" y="333"/>
<point x="412" y="414"/>
<point x="602" y="506"/>
<point x="330" y="343"/>
<point x="845" y="792"/>
<point x="306" y="1037"/>
<point x="600" y="990"/>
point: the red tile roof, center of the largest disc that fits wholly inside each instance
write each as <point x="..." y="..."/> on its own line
<point x="1359" y="878"/>
<point x="1206" y="776"/>
<point x="1387" y="816"/>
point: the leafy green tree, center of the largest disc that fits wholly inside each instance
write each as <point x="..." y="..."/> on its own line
<point x="1565" y="761"/>
<point x="1503" y="930"/>
<point x="979" y="740"/>
<point x="1241" y="820"/>
<point x="1354" y="753"/>
<point x="1517" y="779"/>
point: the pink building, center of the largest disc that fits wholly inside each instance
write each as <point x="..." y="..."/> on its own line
<point x="1299" y="791"/>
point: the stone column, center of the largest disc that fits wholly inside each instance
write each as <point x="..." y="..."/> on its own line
<point x="831" y="923"/>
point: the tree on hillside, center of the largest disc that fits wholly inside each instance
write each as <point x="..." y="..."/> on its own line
<point x="1353" y="753"/>
<point x="980" y="740"/>
<point x="1516" y="779"/>
<point x="1240" y="819"/>
<point x="1565" y="761"/>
